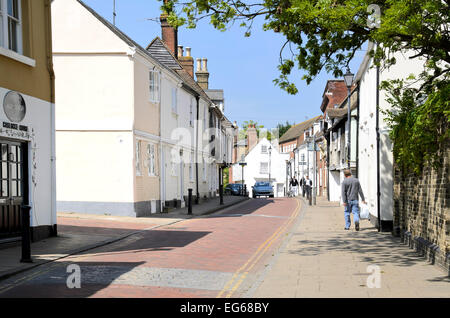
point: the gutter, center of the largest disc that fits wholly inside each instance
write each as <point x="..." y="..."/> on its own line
<point x="51" y="72"/>
<point x="197" y="98"/>
<point x="378" y="148"/>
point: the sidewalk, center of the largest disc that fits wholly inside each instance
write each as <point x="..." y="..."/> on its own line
<point x="321" y="259"/>
<point x="82" y="232"/>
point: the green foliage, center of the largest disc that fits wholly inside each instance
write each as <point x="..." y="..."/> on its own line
<point x="283" y="128"/>
<point x="326" y="34"/>
<point x="419" y="124"/>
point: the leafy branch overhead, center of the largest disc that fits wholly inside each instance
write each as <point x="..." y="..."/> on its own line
<point x="326" y="34"/>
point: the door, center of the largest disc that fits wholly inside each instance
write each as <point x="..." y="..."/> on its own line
<point x="12" y="177"/>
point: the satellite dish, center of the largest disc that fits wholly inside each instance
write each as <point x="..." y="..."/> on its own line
<point x="14" y="107"/>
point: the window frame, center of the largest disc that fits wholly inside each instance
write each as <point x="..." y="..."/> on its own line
<point x="261" y="170"/>
<point x="174" y="100"/>
<point x="138" y="158"/>
<point x="5" y="32"/>
<point x="154" y="86"/>
<point x="151" y="157"/>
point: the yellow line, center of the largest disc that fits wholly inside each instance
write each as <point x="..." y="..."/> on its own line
<point x="256" y="256"/>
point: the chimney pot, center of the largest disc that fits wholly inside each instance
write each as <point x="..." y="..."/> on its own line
<point x="204" y="65"/>
<point x="199" y="65"/>
<point x="188" y="51"/>
<point x="180" y="50"/>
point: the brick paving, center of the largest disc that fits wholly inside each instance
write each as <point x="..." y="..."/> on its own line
<point x="192" y="257"/>
<point x="321" y="259"/>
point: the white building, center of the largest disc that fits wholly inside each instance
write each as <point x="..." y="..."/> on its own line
<point x="262" y="162"/>
<point x="375" y="162"/>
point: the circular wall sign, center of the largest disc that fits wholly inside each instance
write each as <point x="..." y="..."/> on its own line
<point x="14" y="107"/>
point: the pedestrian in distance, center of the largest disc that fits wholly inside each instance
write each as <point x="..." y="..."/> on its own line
<point x="350" y="189"/>
<point x="302" y="185"/>
<point x="308" y="187"/>
<point x="295" y="186"/>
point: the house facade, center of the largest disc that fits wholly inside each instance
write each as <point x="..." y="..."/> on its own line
<point x="375" y="157"/>
<point x="264" y="161"/>
<point x="27" y="115"/>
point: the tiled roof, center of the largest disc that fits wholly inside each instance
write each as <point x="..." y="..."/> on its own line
<point x="158" y="49"/>
<point x="297" y="130"/>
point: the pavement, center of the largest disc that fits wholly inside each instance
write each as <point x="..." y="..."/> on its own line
<point x="78" y="233"/>
<point x="319" y="259"/>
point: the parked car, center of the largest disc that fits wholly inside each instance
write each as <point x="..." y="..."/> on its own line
<point x="261" y="189"/>
<point x="233" y="189"/>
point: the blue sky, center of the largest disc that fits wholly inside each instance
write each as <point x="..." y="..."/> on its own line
<point x="243" y="67"/>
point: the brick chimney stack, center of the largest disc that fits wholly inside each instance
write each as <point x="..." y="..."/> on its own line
<point x="252" y="137"/>
<point x="202" y="73"/>
<point x="169" y="34"/>
<point x="187" y="62"/>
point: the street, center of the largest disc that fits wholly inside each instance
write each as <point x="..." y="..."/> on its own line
<point x="219" y="255"/>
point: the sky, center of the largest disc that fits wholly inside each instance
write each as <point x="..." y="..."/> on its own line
<point x="244" y="67"/>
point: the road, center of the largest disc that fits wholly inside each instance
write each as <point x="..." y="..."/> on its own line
<point x="221" y="255"/>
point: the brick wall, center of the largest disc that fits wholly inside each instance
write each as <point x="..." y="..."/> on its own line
<point x="422" y="214"/>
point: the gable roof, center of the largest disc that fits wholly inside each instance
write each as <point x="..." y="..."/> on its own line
<point x="129" y="41"/>
<point x="297" y="130"/>
<point x="159" y="50"/>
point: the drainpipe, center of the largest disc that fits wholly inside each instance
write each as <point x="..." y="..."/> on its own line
<point x="197" y="98"/>
<point x="52" y="114"/>
<point x="378" y="149"/>
<point x="357" y="131"/>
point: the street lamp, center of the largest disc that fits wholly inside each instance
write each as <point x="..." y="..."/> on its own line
<point x="243" y="164"/>
<point x="270" y="162"/>
<point x="348" y="79"/>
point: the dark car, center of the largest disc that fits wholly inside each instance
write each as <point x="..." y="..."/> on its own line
<point x="261" y="189"/>
<point x="233" y="189"/>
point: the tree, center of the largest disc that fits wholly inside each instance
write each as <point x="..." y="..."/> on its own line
<point x="326" y="34"/>
<point x="283" y="128"/>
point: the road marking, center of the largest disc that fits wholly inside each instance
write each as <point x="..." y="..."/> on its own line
<point x="243" y="271"/>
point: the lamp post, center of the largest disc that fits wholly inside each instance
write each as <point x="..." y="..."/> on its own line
<point x="243" y="164"/>
<point x="348" y="79"/>
<point x="270" y="162"/>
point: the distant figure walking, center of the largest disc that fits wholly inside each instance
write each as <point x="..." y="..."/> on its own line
<point x="308" y="186"/>
<point x="294" y="184"/>
<point x="350" y="191"/>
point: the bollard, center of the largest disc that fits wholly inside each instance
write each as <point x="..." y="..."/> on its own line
<point x="245" y="190"/>
<point x="26" y="239"/>
<point x="189" y="201"/>
<point x="221" y="194"/>
<point x="309" y="196"/>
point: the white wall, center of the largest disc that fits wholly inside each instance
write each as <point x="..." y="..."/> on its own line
<point x="38" y="120"/>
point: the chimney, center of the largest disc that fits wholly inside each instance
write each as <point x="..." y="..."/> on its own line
<point x="187" y="62"/>
<point x="202" y="73"/>
<point x="252" y="137"/>
<point x="169" y="34"/>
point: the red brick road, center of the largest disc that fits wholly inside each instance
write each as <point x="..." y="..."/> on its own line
<point x="214" y="256"/>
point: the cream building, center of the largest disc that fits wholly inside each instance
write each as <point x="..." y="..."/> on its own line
<point x="109" y="95"/>
<point x="27" y="156"/>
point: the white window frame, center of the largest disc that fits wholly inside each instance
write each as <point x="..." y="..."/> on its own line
<point x="138" y="158"/>
<point x="191" y="168"/>
<point x="151" y="160"/>
<point x="262" y="170"/>
<point x="174" y="100"/>
<point x="154" y="78"/>
<point x="191" y="114"/>
<point x="204" y="169"/>
<point x="263" y="149"/>
<point x="5" y="17"/>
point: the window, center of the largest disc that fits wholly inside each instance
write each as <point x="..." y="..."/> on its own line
<point x="204" y="169"/>
<point x="138" y="158"/>
<point x="174" y="169"/>
<point x="151" y="159"/>
<point x="303" y="157"/>
<point x="191" y="113"/>
<point x="264" y="168"/>
<point x="11" y="25"/>
<point x="154" y="86"/>
<point x="263" y="149"/>
<point x="339" y="140"/>
<point x="174" y="99"/>
<point x="191" y="169"/>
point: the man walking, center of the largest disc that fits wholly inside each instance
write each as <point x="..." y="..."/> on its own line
<point x="350" y="191"/>
<point x="295" y="186"/>
<point x="308" y="187"/>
